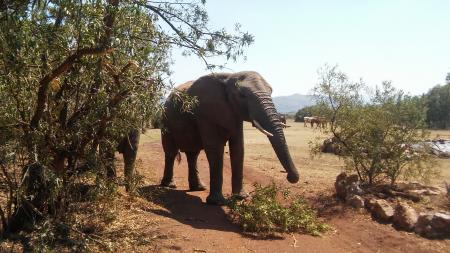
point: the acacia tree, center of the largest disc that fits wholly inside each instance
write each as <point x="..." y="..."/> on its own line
<point x="379" y="134"/>
<point x="76" y="75"/>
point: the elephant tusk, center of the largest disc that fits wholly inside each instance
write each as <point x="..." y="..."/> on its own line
<point x="260" y="128"/>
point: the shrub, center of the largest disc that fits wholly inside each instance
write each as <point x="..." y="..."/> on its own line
<point x="380" y="133"/>
<point x="264" y="214"/>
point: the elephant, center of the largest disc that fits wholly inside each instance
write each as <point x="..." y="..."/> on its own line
<point x="224" y="101"/>
<point x="128" y="147"/>
<point x="283" y="120"/>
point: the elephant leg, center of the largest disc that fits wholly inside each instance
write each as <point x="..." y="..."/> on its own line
<point x="107" y="157"/>
<point x="129" y="148"/>
<point x="195" y="184"/>
<point x="170" y="152"/>
<point x="215" y="160"/>
<point x="237" y="163"/>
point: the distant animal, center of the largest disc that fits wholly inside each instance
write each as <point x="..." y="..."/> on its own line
<point x="224" y="101"/>
<point x="283" y="120"/>
<point x="307" y="120"/>
<point x="321" y="122"/>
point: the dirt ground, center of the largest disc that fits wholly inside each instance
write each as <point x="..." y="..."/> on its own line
<point x="182" y="222"/>
<point x="176" y="220"/>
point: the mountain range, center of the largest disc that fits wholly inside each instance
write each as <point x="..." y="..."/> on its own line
<point x="292" y="103"/>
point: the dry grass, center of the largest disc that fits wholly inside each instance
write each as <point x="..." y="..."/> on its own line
<point x="320" y="170"/>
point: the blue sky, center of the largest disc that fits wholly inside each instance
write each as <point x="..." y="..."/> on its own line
<point x="407" y="42"/>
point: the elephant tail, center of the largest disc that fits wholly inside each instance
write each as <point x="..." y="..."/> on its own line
<point x="178" y="157"/>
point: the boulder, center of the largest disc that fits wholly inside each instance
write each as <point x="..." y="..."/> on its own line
<point x="405" y="217"/>
<point x="380" y="209"/>
<point x="355" y="201"/>
<point x="441" y="223"/>
<point x="353" y="188"/>
<point x="347" y="186"/>
<point x="433" y="225"/>
<point x="427" y="192"/>
<point x="331" y="145"/>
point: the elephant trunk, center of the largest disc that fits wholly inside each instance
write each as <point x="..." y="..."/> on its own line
<point x="266" y="116"/>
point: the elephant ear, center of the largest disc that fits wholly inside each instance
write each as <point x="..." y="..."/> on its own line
<point x="213" y="105"/>
<point x="233" y="93"/>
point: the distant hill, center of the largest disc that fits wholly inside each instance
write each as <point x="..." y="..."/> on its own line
<point x="292" y="103"/>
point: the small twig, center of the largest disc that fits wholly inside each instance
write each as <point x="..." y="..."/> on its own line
<point x="295" y="241"/>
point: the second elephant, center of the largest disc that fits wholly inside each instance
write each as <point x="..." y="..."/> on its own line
<point x="224" y="101"/>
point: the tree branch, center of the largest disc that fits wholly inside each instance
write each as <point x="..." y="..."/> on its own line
<point x="177" y="31"/>
<point x="63" y="67"/>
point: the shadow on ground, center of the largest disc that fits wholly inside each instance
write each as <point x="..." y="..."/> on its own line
<point x="187" y="209"/>
<point x="191" y="210"/>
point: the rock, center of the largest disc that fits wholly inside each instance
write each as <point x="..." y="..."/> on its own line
<point x="427" y="192"/>
<point x="352" y="179"/>
<point x="355" y="201"/>
<point x="353" y="189"/>
<point x="433" y="225"/>
<point x="347" y="186"/>
<point x="423" y="225"/>
<point x="380" y="209"/>
<point x="419" y="189"/>
<point x="340" y="185"/>
<point x="405" y="217"/>
<point x="331" y="145"/>
<point x="441" y="223"/>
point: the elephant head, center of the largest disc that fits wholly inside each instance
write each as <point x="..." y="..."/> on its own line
<point x="250" y="97"/>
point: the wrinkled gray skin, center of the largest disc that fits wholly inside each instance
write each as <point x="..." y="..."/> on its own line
<point x="224" y="102"/>
<point x="128" y="147"/>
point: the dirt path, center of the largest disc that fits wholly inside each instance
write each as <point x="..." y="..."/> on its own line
<point x="186" y="224"/>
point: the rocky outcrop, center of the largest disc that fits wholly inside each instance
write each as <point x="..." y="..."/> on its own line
<point x="378" y="201"/>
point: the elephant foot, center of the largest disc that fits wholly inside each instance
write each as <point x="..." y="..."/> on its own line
<point x="197" y="187"/>
<point x="168" y="183"/>
<point x="241" y="195"/>
<point x="216" y="199"/>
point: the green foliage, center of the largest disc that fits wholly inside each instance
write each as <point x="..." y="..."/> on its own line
<point x="184" y="101"/>
<point x="77" y="76"/>
<point x="265" y="214"/>
<point x="380" y="134"/>
<point x="307" y="111"/>
<point x="438" y="104"/>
